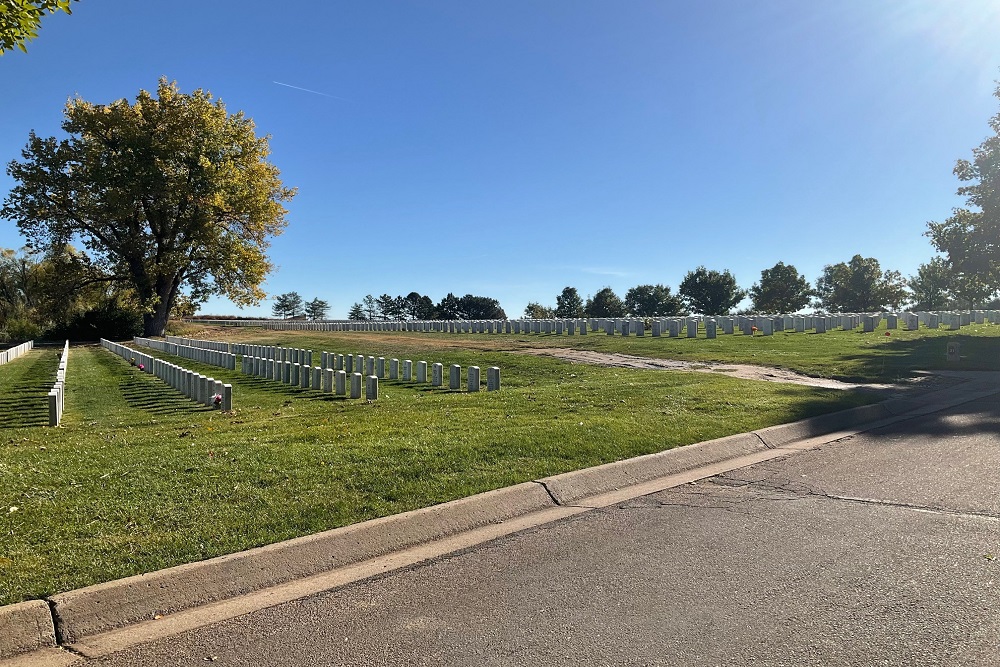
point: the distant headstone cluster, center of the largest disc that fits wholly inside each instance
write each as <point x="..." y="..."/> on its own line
<point x="685" y="327"/>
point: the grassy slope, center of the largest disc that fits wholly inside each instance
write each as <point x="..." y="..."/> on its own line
<point x="138" y="478"/>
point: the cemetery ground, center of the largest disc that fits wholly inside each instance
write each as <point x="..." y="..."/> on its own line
<point x="139" y="478"/>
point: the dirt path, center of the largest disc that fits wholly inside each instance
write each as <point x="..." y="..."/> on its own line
<point x="744" y="371"/>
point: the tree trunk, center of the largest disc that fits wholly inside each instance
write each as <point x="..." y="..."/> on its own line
<point x="155" y="323"/>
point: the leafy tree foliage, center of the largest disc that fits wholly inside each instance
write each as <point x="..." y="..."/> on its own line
<point x="971" y="236"/>
<point x="652" y="301"/>
<point x="370" y="307"/>
<point x="184" y="307"/>
<point x="52" y="297"/>
<point x="932" y="285"/>
<point x="288" y="304"/>
<point x="537" y="311"/>
<point x="860" y="286"/>
<point x="19" y="20"/>
<point x="569" y="304"/>
<point x="448" y="308"/>
<point x="480" y="308"/>
<point x="170" y="194"/>
<point x="317" y="309"/>
<point x="781" y="290"/>
<point x="710" y="292"/>
<point x="605" y="304"/>
<point x="419" y="307"/>
<point x="356" y="313"/>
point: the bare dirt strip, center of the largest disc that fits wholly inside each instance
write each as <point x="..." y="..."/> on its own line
<point x="743" y="371"/>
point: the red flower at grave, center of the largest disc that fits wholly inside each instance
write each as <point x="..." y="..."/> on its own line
<point x="887" y="333"/>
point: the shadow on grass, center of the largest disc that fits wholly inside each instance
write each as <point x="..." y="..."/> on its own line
<point x="900" y="358"/>
<point x="157" y="397"/>
<point x="24" y="399"/>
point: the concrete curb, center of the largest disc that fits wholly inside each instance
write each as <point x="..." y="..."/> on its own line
<point x="115" y="604"/>
<point x="69" y="617"/>
<point x="24" y="627"/>
<point x="570" y="487"/>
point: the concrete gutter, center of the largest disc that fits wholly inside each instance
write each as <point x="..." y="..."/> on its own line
<point x="274" y="573"/>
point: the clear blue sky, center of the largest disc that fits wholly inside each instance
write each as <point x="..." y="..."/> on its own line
<point x="509" y="149"/>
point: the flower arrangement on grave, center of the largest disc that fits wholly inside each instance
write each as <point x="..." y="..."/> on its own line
<point x="753" y="330"/>
<point x="141" y="367"/>
<point x="217" y="400"/>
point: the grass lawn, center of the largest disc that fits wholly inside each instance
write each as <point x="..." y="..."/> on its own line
<point x="138" y="478"/>
<point x="851" y="356"/>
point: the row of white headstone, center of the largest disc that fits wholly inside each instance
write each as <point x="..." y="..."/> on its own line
<point x="660" y="326"/>
<point x="195" y="386"/>
<point x="332" y="375"/>
<point x="57" y="395"/>
<point x="210" y="357"/>
<point x="16" y="351"/>
<point x="287" y="358"/>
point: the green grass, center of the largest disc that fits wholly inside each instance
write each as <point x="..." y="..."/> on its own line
<point x="851" y="356"/>
<point x="138" y="478"/>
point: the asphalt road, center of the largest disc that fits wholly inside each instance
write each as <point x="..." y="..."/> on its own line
<point x="879" y="549"/>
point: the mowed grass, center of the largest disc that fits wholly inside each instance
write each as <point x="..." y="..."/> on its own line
<point x="139" y="478"/>
<point x="851" y="356"/>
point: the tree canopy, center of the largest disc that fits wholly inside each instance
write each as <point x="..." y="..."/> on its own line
<point x="19" y="20"/>
<point x="652" y="301"/>
<point x="537" y="311"/>
<point x="970" y="238"/>
<point x="288" y="304"/>
<point x="781" y="290"/>
<point x="317" y="309"/>
<point x="569" y="304"/>
<point x="710" y="292"/>
<point x="605" y="304"/>
<point x="932" y="286"/>
<point x="169" y="193"/>
<point x="860" y="286"/>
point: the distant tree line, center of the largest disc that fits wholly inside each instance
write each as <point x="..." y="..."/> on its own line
<point x="290" y="304"/>
<point x="858" y="285"/>
<point x="415" y="306"/>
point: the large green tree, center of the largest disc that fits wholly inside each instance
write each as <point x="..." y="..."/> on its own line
<point x="167" y="193"/>
<point x="537" y="311"/>
<point x="932" y="286"/>
<point x="19" y="20"/>
<point x="970" y="238"/>
<point x="653" y="301"/>
<point x="710" y="292"/>
<point x="781" y="290"/>
<point x="605" y="304"/>
<point x="288" y="304"/>
<point x="569" y="304"/>
<point x="317" y="309"/>
<point x="860" y="286"/>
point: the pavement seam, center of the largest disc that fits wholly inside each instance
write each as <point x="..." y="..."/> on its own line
<point x="548" y="491"/>
<point x="803" y="490"/>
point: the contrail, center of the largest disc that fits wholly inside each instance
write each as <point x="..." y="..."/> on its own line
<point x="314" y="92"/>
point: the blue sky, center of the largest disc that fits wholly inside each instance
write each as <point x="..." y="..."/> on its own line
<point x="509" y="149"/>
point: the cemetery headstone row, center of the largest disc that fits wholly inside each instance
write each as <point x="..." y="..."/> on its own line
<point x="674" y="327"/>
<point x="57" y="395"/>
<point x="199" y="388"/>
<point x="16" y="351"/>
<point x="331" y="376"/>
<point x="209" y="356"/>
